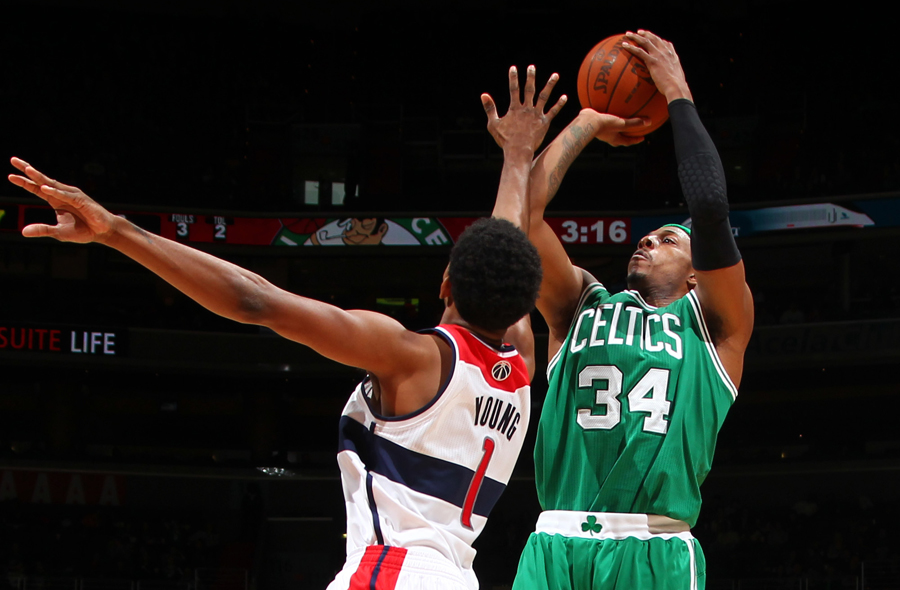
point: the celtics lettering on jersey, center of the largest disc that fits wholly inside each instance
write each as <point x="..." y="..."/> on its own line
<point x="656" y="334"/>
<point x="636" y="397"/>
<point x="624" y="324"/>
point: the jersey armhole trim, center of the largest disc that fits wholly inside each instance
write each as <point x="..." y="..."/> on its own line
<point x="584" y="295"/>
<point x="504" y="351"/>
<point x="440" y="392"/>
<point x="710" y="347"/>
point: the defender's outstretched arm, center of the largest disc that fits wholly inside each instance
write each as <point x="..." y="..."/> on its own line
<point x="362" y="339"/>
<point x="520" y="132"/>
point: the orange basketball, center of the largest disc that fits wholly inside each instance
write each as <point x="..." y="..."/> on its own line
<point x="612" y="80"/>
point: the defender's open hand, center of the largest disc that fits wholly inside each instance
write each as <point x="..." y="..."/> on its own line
<point x="526" y="123"/>
<point x="78" y="217"/>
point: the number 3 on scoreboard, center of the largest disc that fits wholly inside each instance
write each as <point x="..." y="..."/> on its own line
<point x="477" y="480"/>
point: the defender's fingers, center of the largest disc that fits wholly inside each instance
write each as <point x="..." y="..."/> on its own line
<point x="529" y="86"/>
<point x="554" y="110"/>
<point x="19" y="163"/>
<point x="544" y="96"/>
<point x="41" y="178"/>
<point x="36" y="175"/>
<point x="35" y="178"/>
<point x="39" y="230"/>
<point x="63" y="195"/>
<point x="490" y="108"/>
<point x="514" y="86"/>
<point x="27" y="184"/>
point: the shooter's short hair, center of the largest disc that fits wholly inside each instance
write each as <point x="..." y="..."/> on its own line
<point x="495" y="274"/>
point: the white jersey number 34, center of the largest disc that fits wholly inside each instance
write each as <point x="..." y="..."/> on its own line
<point x="648" y="396"/>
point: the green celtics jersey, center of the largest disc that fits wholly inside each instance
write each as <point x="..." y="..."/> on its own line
<point x="637" y="396"/>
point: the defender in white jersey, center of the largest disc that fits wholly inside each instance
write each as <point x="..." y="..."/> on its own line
<point x="405" y="531"/>
<point x="427" y="482"/>
<point x="419" y="484"/>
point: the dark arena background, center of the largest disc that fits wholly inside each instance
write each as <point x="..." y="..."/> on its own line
<point x="146" y="444"/>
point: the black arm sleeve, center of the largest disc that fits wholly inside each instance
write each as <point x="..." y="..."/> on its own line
<point x="703" y="184"/>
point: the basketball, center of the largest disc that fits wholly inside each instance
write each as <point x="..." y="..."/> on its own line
<point x="612" y="80"/>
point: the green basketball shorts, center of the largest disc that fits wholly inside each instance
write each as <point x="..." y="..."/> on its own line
<point x="603" y="551"/>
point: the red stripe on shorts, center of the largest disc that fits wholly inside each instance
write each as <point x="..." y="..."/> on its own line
<point x="378" y="569"/>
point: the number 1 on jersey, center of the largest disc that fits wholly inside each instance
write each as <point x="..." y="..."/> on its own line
<point x="477" y="480"/>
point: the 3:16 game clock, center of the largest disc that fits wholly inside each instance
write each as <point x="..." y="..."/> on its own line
<point x="591" y="230"/>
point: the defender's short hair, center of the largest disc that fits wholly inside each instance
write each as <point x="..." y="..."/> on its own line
<point x="495" y="274"/>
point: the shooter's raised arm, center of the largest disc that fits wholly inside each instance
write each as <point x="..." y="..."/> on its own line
<point x="563" y="282"/>
<point x="721" y="287"/>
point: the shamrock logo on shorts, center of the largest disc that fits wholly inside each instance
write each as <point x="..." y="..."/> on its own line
<point x="591" y="525"/>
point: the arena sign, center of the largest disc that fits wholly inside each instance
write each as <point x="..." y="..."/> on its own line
<point x="62" y="339"/>
<point x="824" y="342"/>
<point x="795" y="217"/>
<point x="365" y="230"/>
<point x="46" y="487"/>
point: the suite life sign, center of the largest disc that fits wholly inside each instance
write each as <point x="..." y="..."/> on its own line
<point x="85" y="340"/>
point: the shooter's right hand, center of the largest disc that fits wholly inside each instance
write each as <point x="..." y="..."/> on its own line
<point x="79" y="218"/>
<point x="662" y="62"/>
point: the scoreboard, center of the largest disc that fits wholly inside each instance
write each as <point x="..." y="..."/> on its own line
<point x="370" y="229"/>
<point x="320" y="231"/>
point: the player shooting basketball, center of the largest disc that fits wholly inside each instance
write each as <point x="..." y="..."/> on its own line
<point x="639" y="381"/>
<point x="429" y="439"/>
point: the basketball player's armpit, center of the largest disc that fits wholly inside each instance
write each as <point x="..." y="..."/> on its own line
<point x="703" y="184"/>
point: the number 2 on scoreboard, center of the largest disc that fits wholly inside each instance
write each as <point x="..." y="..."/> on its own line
<point x="477" y="480"/>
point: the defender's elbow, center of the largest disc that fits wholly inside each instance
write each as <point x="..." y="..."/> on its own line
<point x="252" y="299"/>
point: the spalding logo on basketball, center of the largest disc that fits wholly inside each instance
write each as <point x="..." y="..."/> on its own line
<point x="612" y="80"/>
<point x="501" y="370"/>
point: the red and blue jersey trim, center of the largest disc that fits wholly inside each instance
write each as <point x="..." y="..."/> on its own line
<point x="379" y="568"/>
<point x="474" y="351"/>
<point x="423" y="473"/>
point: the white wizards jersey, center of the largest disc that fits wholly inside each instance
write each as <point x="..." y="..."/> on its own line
<point x="430" y="478"/>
